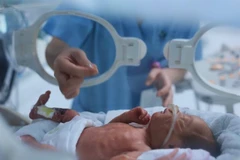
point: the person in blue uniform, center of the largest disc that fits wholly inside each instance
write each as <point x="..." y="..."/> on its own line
<point x="77" y="42"/>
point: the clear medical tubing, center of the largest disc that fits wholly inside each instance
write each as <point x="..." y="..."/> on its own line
<point x="174" y="109"/>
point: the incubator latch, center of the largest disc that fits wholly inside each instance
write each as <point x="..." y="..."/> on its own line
<point x="133" y="51"/>
<point x="179" y="53"/>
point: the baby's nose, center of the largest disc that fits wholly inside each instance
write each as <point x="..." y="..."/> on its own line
<point x="170" y="110"/>
<point x="167" y="110"/>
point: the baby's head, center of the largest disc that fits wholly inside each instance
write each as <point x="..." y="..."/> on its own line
<point x="189" y="132"/>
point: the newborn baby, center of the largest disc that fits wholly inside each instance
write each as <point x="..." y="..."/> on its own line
<point x="118" y="139"/>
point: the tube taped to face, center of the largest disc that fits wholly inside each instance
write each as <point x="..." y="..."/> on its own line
<point x="175" y="110"/>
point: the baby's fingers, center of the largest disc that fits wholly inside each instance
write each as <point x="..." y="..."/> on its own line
<point x="146" y="119"/>
<point x="143" y="114"/>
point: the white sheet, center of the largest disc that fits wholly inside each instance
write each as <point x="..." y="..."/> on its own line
<point x="65" y="136"/>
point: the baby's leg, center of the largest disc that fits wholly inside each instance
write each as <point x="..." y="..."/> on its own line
<point x="32" y="141"/>
<point x="54" y="114"/>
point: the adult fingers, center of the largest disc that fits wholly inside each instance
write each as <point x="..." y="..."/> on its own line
<point x="74" y="90"/>
<point x="67" y="84"/>
<point x="73" y="94"/>
<point x="164" y="90"/>
<point x="168" y="99"/>
<point x="80" y="57"/>
<point x="66" y="66"/>
<point x="62" y="79"/>
<point x="152" y="76"/>
<point x="166" y="85"/>
<point x="72" y="87"/>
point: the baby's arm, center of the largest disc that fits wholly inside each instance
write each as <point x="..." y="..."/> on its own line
<point x="136" y="115"/>
<point x="54" y="114"/>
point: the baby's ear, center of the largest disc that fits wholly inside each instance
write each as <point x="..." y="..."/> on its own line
<point x="174" y="143"/>
<point x="171" y="146"/>
<point x="197" y="141"/>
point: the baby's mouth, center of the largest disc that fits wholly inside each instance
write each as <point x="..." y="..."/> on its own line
<point x="163" y="112"/>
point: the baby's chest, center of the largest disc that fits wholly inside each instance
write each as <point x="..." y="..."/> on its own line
<point x="126" y="139"/>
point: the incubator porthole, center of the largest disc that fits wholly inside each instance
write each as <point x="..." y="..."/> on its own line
<point x="87" y="30"/>
<point x="220" y="51"/>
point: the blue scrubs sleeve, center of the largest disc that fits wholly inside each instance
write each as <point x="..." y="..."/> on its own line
<point x="73" y="30"/>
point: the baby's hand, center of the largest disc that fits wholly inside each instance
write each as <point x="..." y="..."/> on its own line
<point x="139" y="115"/>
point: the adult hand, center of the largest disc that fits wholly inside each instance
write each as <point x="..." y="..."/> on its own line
<point x="160" y="79"/>
<point x="172" y="156"/>
<point x="71" y="66"/>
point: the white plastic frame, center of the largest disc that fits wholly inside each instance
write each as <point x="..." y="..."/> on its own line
<point x="180" y="54"/>
<point x="129" y="51"/>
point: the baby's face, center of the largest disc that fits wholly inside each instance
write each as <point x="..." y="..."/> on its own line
<point x="160" y="125"/>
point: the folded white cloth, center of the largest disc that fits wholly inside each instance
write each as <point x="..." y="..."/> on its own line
<point x="37" y="129"/>
<point x="65" y="136"/>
